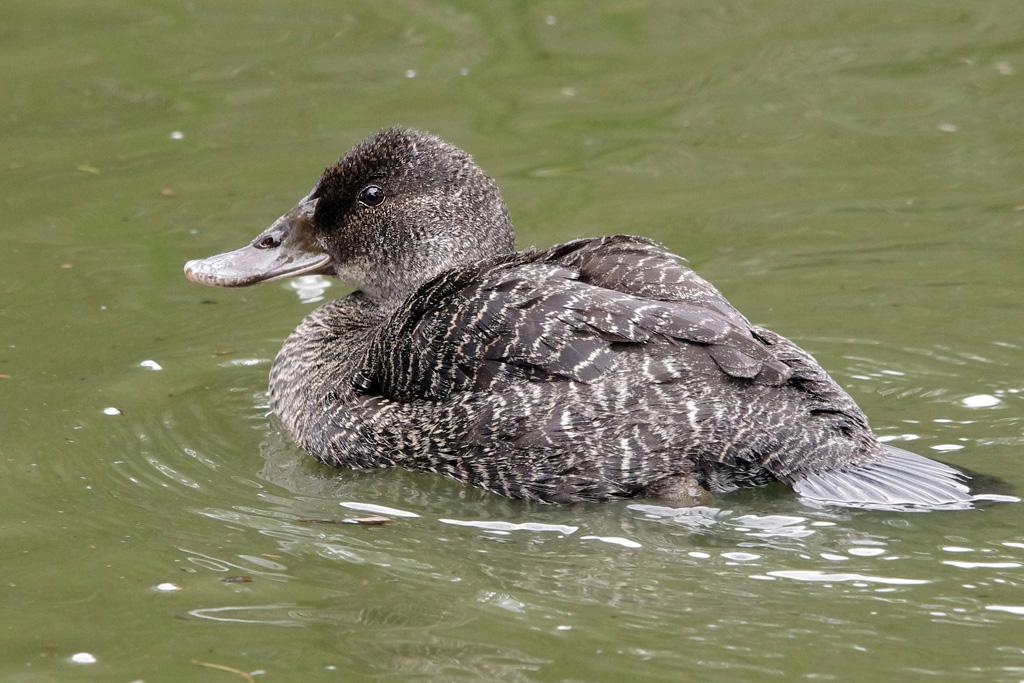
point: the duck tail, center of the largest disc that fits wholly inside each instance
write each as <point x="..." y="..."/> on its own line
<point x="901" y="480"/>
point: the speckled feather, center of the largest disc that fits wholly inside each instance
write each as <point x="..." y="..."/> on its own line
<point x="595" y="369"/>
<point x="539" y="376"/>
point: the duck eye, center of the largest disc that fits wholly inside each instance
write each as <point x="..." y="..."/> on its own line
<point x="371" y="196"/>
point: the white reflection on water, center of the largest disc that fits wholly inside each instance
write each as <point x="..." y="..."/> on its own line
<point x="980" y="401"/>
<point x="504" y="601"/>
<point x="887" y="438"/>
<point x="167" y="587"/>
<point x="243" y="362"/>
<point x="741" y="557"/>
<point x="833" y="557"/>
<point x="310" y="288"/>
<point x="819" y="576"/>
<point x="766" y="526"/>
<point x="696" y="517"/>
<point x="1012" y="609"/>
<point x="259" y="566"/>
<point x="172" y="473"/>
<point x="509" y="526"/>
<point x="758" y="526"/>
<point x="378" y="509"/>
<point x="614" y="540"/>
<point x="219" y="614"/>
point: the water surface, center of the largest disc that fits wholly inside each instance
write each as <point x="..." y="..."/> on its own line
<point x="847" y="173"/>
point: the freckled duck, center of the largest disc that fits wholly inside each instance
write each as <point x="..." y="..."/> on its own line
<point x="595" y="369"/>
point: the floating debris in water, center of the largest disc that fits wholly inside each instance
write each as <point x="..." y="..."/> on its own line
<point x="242" y="578"/>
<point x="167" y="587"/>
<point x="66" y="265"/>
<point x="177" y="135"/>
<point x="83" y="658"/>
<point x="948" y="127"/>
<point x="229" y="669"/>
<point x="981" y="401"/>
<point x="111" y="410"/>
<point x="371" y="520"/>
<point x="167" y="191"/>
<point x="150" y="365"/>
<point x="410" y="73"/>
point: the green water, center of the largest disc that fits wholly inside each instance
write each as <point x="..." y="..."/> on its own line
<point x="849" y="174"/>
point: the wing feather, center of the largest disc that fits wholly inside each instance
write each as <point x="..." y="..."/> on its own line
<point x="560" y="314"/>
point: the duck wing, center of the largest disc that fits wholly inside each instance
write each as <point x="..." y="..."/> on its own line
<point x="645" y="269"/>
<point x="560" y="314"/>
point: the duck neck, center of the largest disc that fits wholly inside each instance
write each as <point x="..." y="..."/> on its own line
<point x="314" y="367"/>
<point x="440" y="236"/>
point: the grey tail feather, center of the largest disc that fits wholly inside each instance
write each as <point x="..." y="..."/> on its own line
<point x="901" y="480"/>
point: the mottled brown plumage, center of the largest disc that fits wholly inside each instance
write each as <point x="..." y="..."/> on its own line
<point x="595" y="369"/>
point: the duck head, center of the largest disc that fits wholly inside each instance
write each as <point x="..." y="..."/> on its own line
<point x="399" y="208"/>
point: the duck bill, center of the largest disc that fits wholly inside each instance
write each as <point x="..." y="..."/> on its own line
<point x="285" y="249"/>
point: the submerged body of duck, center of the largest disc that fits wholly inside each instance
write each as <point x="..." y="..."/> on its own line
<point x="595" y="369"/>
